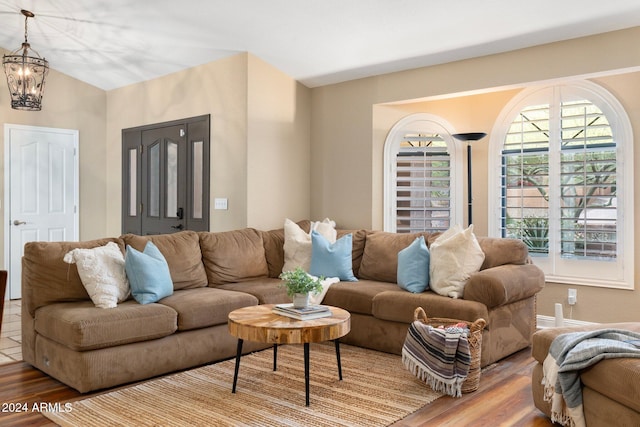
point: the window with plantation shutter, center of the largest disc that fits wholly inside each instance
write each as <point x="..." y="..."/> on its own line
<point x="588" y="182"/>
<point x="525" y="182"/>
<point x="421" y="184"/>
<point x="560" y="184"/>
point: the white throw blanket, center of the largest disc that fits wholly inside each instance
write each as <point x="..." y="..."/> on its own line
<point x="572" y="352"/>
<point x="326" y="283"/>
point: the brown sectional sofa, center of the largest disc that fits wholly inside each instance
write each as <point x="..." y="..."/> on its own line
<point x="89" y="348"/>
<point x="611" y="390"/>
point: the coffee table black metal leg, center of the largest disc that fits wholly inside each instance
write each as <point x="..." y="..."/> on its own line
<point x="338" y="358"/>
<point x="275" y="357"/>
<point x="306" y="372"/>
<point x="235" y="373"/>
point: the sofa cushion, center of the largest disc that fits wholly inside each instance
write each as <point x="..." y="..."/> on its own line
<point x="331" y="259"/>
<point x="49" y="278"/>
<point x="617" y="379"/>
<point x="273" y="242"/>
<point x="81" y="326"/>
<point x="183" y="255"/>
<point x="202" y="307"/>
<point x="233" y="256"/>
<point x="356" y="297"/>
<point x="380" y="257"/>
<point x="102" y="273"/>
<point x="413" y="266"/>
<point x="267" y="290"/>
<point x="148" y="274"/>
<point x="398" y="306"/>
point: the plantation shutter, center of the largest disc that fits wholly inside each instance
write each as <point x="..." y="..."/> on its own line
<point x="525" y="179"/>
<point x="566" y="184"/>
<point x="588" y="176"/>
<point x="423" y="184"/>
<point x="587" y="169"/>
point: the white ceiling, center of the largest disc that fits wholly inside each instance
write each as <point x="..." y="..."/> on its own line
<point x="113" y="43"/>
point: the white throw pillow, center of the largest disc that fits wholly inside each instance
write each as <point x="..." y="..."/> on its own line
<point x="326" y="227"/>
<point x="455" y="255"/>
<point x="102" y="273"/>
<point x="297" y="243"/>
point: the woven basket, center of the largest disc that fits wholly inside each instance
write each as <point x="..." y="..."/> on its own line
<point x="475" y="343"/>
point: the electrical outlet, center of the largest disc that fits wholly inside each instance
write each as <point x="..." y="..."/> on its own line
<point x="572" y="296"/>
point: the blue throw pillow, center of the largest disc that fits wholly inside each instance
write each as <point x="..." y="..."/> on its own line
<point x="148" y="274"/>
<point x="413" y="266"/>
<point x="331" y="260"/>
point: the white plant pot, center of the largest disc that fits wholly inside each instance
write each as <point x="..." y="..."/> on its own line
<point x="300" y="300"/>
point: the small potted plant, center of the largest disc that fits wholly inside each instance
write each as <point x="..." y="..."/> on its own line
<point x="299" y="284"/>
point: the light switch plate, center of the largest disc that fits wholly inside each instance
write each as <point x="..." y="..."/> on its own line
<point x="220" y="203"/>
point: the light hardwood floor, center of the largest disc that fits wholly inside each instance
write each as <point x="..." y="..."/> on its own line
<point x="503" y="398"/>
<point x="10" y="338"/>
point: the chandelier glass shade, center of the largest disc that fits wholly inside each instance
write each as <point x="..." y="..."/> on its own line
<point x="26" y="71"/>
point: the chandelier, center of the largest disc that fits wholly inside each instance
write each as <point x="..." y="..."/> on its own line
<point x="25" y="74"/>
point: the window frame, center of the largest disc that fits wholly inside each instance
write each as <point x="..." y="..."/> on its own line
<point x="590" y="272"/>
<point x="421" y="123"/>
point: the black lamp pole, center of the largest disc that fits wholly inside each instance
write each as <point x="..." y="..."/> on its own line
<point x="469" y="137"/>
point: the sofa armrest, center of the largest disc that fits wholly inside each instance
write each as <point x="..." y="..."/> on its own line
<point x="504" y="284"/>
<point x="502" y="251"/>
<point x="542" y="339"/>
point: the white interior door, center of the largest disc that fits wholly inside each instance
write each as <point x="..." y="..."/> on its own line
<point x="41" y="191"/>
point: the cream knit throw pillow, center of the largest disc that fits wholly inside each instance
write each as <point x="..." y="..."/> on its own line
<point x="102" y="273"/>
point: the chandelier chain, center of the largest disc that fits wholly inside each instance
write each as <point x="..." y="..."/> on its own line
<point x="26" y="18"/>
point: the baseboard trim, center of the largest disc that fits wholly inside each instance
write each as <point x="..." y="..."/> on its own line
<point x="544" y="322"/>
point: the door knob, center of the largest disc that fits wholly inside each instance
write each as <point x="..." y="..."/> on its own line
<point x="179" y="226"/>
<point x="16" y="222"/>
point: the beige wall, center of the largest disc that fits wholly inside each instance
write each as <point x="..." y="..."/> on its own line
<point x="217" y="88"/>
<point x="261" y="143"/>
<point x="259" y="128"/>
<point x="69" y="104"/>
<point x="278" y="154"/>
<point x="353" y="119"/>
<point x="470" y="113"/>
<point x="342" y="154"/>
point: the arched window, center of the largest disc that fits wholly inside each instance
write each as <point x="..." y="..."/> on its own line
<point x="563" y="186"/>
<point x="423" y="190"/>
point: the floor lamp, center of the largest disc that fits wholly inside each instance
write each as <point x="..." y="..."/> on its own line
<point x="469" y="138"/>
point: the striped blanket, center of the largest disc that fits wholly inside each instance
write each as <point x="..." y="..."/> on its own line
<point x="439" y="357"/>
<point x="571" y="352"/>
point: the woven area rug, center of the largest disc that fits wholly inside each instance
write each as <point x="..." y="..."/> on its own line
<point x="376" y="390"/>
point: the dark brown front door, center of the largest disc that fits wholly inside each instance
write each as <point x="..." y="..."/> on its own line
<point x="166" y="177"/>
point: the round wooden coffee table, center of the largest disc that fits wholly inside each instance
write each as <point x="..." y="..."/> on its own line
<point x="260" y="324"/>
